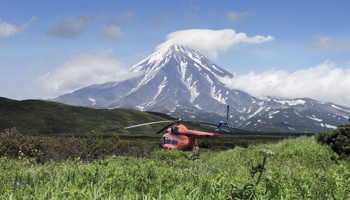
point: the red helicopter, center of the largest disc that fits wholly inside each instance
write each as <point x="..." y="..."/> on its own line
<point x="181" y="138"/>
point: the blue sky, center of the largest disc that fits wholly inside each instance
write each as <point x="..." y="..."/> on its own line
<point x="287" y="49"/>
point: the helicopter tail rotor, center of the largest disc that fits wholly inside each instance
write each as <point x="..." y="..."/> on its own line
<point x="228" y="124"/>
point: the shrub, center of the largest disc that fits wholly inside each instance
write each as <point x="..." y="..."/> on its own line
<point x="169" y="155"/>
<point x="90" y="147"/>
<point x="220" y="148"/>
<point x="338" y="139"/>
<point x="14" y="144"/>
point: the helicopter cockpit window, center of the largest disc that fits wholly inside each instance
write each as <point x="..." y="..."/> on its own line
<point x="166" y="140"/>
<point x="174" y="142"/>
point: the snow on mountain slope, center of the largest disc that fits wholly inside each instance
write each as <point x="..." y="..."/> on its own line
<point x="192" y="80"/>
<point x="179" y="81"/>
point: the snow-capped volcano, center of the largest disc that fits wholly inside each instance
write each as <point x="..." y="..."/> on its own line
<point x="179" y="77"/>
<point x="177" y="80"/>
<point x="181" y="72"/>
<point x="171" y="78"/>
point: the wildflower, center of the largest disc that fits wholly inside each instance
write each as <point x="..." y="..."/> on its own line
<point x="120" y="179"/>
<point x="266" y="153"/>
<point x="215" y="170"/>
<point x="16" y="184"/>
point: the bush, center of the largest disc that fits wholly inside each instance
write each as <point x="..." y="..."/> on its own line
<point x="220" y="148"/>
<point x="90" y="147"/>
<point x="169" y="155"/>
<point x="338" y="139"/>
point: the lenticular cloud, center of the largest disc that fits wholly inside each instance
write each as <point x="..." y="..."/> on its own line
<point x="324" y="82"/>
<point x="210" y="42"/>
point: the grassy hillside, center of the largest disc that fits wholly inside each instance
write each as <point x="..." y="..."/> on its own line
<point x="44" y="117"/>
<point x="300" y="169"/>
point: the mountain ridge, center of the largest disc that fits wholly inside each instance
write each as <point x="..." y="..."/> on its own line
<point x="178" y="78"/>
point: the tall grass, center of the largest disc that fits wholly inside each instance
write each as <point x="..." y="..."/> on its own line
<point x="300" y="169"/>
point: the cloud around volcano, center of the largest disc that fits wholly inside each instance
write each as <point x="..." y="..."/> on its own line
<point x="211" y="42"/>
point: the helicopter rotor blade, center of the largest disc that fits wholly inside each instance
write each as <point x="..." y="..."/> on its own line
<point x="179" y="121"/>
<point x="228" y="127"/>
<point x="236" y="129"/>
<point x="147" y="124"/>
<point x="201" y="123"/>
<point x="161" y="130"/>
<point x="242" y="130"/>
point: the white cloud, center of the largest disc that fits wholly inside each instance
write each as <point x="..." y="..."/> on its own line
<point x="84" y="70"/>
<point x="232" y="16"/>
<point x="192" y="6"/>
<point x="70" y="27"/>
<point x="111" y="31"/>
<point x="324" y="82"/>
<point x="159" y="20"/>
<point x="121" y="18"/>
<point x="7" y="29"/>
<point x="210" y="42"/>
<point x="324" y="42"/>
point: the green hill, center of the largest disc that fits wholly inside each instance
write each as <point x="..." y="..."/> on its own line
<point x="45" y="117"/>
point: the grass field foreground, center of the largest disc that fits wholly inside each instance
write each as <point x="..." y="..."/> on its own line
<point x="300" y="169"/>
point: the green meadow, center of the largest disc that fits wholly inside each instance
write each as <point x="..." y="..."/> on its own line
<point x="66" y="152"/>
<point x="300" y="168"/>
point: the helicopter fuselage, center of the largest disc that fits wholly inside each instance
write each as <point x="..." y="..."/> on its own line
<point x="179" y="137"/>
